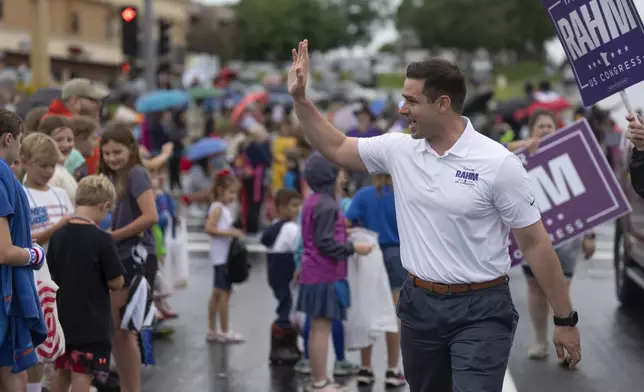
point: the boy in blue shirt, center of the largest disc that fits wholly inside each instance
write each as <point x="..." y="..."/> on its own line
<point x="22" y="327"/>
<point x="281" y="239"/>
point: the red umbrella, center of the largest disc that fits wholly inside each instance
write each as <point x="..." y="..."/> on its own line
<point x="260" y="97"/>
<point x="224" y="77"/>
<point x="556" y="106"/>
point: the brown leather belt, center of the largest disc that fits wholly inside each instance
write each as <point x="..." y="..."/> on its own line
<point x="447" y="289"/>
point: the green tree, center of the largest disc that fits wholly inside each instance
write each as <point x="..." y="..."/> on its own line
<point x="271" y="28"/>
<point x="468" y="25"/>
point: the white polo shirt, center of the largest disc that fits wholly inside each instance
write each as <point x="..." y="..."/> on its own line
<point x="454" y="212"/>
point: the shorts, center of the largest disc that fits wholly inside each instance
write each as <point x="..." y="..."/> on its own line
<point x="395" y="271"/>
<point x="220" y="278"/>
<point x="568" y="262"/>
<point x="148" y="269"/>
<point x="93" y="358"/>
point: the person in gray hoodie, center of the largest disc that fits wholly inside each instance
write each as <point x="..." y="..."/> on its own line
<point x="324" y="291"/>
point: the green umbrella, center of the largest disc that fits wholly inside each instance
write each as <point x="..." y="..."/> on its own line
<point x="204" y="92"/>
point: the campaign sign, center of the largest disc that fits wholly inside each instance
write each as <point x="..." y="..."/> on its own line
<point x="573" y="185"/>
<point x="604" y="41"/>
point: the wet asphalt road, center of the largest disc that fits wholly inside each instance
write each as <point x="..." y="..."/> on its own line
<point x="612" y="340"/>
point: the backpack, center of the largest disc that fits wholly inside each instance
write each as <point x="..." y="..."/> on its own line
<point x="237" y="266"/>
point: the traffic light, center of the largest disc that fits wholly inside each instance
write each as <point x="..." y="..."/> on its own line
<point x="130" y="31"/>
<point x="164" y="38"/>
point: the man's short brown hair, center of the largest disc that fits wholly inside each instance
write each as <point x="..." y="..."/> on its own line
<point x="34" y="117"/>
<point x="51" y="123"/>
<point x="95" y="190"/>
<point x="83" y="127"/>
<point x="441" y="77"/>
<point x="285" y="196"/>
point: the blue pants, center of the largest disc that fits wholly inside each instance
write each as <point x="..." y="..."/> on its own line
<point x="280" y="273"/>
<point x="458" y="342"/>
<point x="337" y="334"/>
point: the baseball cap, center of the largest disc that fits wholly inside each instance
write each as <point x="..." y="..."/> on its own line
<point x="83" y="88"/>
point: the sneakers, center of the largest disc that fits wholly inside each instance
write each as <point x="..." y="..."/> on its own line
<point x="394" y="379"/>
<point x="341" y="368"/>
<point x="302" y="366"/>
<point x="328" y="386"/>
<point x="366" y="377"/>
<point x="538" y="352"/>
<point x="345" y="368"/>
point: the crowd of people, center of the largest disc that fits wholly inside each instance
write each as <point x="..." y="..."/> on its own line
<point x="87" y="208"/>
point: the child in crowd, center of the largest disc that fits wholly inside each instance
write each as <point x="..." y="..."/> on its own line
<point x="220" y="226"/>
<point x="342" y="366"/>
<point x="19" y="251"/>
<point x="58" y="127"/>
<point x="373" y="208"/>
<point x="85" y="265"/>
<point x="17" y="169"/>
<point x="293" y="177"/>
<point x="85" y="141"/>
<point x="167" y="221"/>
<point x="281" y="239"/>
<point x="324" y="291"/>
<point x="34" y="117"/>
<point x="133" y="216"/>
<point x="50" y="208"/>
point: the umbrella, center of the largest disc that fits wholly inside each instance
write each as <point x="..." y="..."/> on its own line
<point x="42" y="97"/>
<point x="556" y="106"/>
<point x="206" y="147"/>
<point x="477" y="103"/>
<point x="205" y="92"/>
<point x="280" y="99"/>
<point x="255" y="97"/>
<point x="377" y="106"/>
<point x="162" y="100"/>
<point x="507" y="108"/>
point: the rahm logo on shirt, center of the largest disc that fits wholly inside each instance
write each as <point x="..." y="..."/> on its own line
<point x="466" y="176"/>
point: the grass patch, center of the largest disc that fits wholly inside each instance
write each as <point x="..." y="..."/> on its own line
<point x="391" y="80"/>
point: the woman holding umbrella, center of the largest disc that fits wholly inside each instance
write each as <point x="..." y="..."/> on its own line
<point x="206" y="156"/>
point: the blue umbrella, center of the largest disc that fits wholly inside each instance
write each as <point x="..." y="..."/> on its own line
<point x="280" y="99"/>
<point x="376" y="106"/>
<point x="162" y="100"/>
<point x="206" y="147"/>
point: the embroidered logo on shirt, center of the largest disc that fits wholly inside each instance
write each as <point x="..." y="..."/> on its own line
<point x="466" y="177"/>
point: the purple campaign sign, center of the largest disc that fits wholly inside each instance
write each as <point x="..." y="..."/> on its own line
<point x="573" y="185"/>
<point x="604" y="41"/>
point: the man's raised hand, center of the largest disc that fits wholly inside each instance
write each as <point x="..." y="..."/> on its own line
<point x="299" y="72"/>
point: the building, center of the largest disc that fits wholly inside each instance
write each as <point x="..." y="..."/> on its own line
<point x="213" y="32"/>
<point x="84" y="35"/>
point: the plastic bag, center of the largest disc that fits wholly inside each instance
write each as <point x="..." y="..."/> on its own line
<point x="176" y="268"/>
<point x="372" y="310"/>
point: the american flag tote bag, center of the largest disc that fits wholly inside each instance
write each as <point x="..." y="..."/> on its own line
<point x="54" y="345"/>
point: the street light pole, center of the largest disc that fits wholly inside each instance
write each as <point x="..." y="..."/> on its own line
<point x="39" y="49"/>
<point x="148" y="45"/>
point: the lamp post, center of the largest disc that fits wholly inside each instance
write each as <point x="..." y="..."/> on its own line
<point x="39" y="60"/>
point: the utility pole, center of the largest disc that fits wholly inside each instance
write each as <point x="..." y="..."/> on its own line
<point x="148" y="44"/>
<point x="39" y="51"/>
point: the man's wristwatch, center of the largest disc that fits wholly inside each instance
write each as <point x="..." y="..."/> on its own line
<point x="570" y="321"/>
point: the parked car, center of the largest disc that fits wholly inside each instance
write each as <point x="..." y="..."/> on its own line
<point x="629" y="244"/>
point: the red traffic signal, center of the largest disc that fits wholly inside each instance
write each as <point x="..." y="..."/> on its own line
<point x="128" y="14"/>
